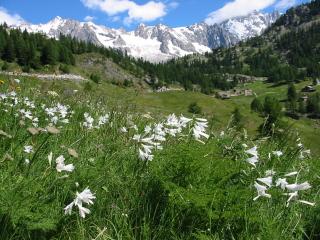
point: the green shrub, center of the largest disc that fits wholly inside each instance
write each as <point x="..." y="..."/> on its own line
<point x="5" y="66"/>
<point x="64" y="68"/>
<point x="95" y="78"/>
<point x="127" y="83"/>
<point x="87" y="87"/>
<point x="194" y="108"/>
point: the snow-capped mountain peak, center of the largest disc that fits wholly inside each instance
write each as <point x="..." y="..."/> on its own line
<point x="160" y="42"/>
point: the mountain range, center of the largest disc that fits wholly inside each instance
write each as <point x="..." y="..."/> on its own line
<point x="160" y="43"/>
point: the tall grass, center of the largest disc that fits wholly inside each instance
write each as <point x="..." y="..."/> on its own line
<point x="189" y="190"/>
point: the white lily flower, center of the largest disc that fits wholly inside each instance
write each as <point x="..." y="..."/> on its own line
<point x="267" y="180"/>
<point x="184" y="121"/>
<point x="83" y="211"/>
<point x="270" y="173"/>
<point x="88" y="123"/>
<point x="84" y="197"/>
<point x="253" y="151"/>
<point x="298" y="187"/>
<point x="147" y="129"/>
<point x="277" y="153"/>
<point x="28" y="149"/>
<point x="199" y="130"/>
<point x="67" y="168"/>
<point x="61" y="165"/>
<point x="282" y="183"/>
<point x="68" y="209"/>
<point x="103" y="119"/>
<point x="292" y="196"/>
<point x="304" y="153"/>
<point x="261" y="191"/>
<point x="137" y="137"/>
<point x="253" y="160"/>
<point x="123" y="130"/>
<point x="147" y="140"/>
<point x="145" y="156"/>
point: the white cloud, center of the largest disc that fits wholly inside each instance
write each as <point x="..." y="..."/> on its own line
<point x="237" y="8"/>
<point x="173" y="5"/>
<point x="284" y="4"/>
<point x="115" y="19"/>
<point x="89" y="18"/>
<point x="10" y="19"/>
<point x="144" y="13"/>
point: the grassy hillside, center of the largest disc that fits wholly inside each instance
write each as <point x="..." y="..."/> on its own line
<point x="73" y="166"/>
<point x="164" y="103"/>
<point x="219" y="110"/>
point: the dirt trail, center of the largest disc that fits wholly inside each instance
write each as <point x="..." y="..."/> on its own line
<point x="72" y="77"/>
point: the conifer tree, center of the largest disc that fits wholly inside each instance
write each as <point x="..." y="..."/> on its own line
<point x="8" y="52"/>
<point x="256" y="105"/>
<point x="237" y="119"/>
<point x="292" y="98"/>
<point x="48" y="54"/>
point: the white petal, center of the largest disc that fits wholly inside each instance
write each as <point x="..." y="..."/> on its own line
<point x="308" y="203"/>
<point x="291" y="174"/>
<point x="83" y="211"/>
<point x="68" y="209"/>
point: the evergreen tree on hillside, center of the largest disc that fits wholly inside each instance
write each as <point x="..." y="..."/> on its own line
<point x="313" y="104"/>
<point x="49" y="54"/>
<point x="21" y="51"/>
<point x="272" y="112"/>
<point x="3" y="41"/>
<point x="8" y="51"/>
<point x="292" y="93"/>
<point x="256" y="105"/>
<point x="31" y="54"/>
<point x="292" y="98"/>
<point x="237" y="119"/>
<point x="302" y="107"/>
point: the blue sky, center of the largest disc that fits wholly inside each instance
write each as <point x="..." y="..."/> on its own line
<point x="129" y="13"/>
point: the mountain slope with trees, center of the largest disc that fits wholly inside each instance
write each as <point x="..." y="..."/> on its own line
<point x="288" y="51"/>
<point x="34" y="51"/>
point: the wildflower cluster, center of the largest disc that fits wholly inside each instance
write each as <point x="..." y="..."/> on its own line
<point x="87" y="197"/>
<point x="28" y="111"/>
<point x="155" y="135"/>
<point x="89" y="121"/>
<point x="262" y="185"/>
<point x="291" y="189"/>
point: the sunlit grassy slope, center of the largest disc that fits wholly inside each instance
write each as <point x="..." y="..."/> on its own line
<point x="178" y="102"/>
<point x="219" y="110"/>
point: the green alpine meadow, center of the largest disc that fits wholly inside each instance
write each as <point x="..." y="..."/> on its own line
<point x="205" y="132"/>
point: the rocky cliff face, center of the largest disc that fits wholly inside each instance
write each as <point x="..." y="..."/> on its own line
<point x="160" y="42"/>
